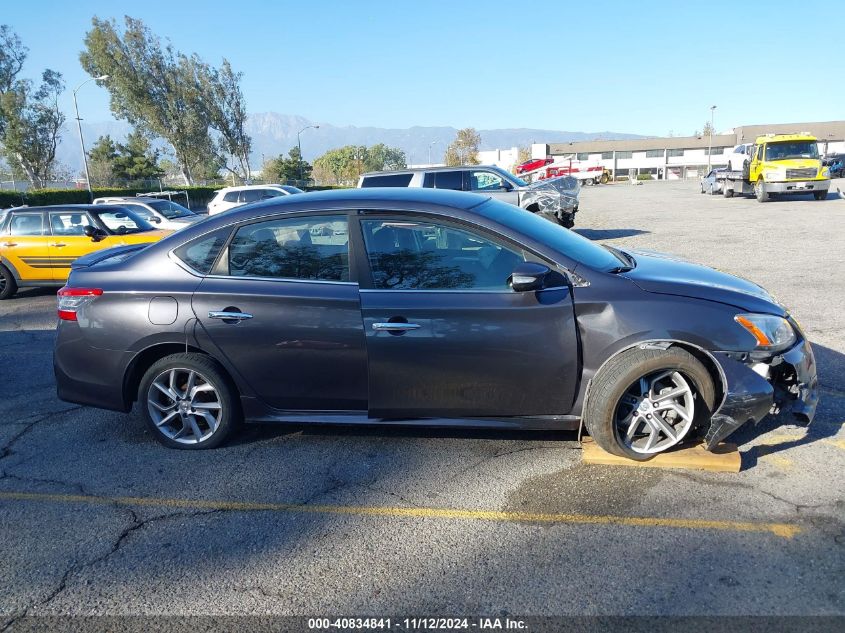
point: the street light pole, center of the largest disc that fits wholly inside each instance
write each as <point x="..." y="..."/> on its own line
<point x="79" y="129"/>
<point x="299" y="145"/>
<point x="710" y="143"/>
<point x="429" y="152"/>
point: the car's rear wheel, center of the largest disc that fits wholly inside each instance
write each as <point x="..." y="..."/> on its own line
<point x="645" y="401"/>
<point x="188" y="402"/>
<point x="8" y="285"/>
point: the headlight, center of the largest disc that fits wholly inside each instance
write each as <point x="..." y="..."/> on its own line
<point x="771" y="332"/>
<point x="826" y="172"/>
<point x="776" y="174"/>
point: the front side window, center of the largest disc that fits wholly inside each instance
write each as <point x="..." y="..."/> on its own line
<point x="419" y="255"/>
<point x="69" y="223"/>
<point x="250" y="195"/>
<point x="485" y="181"/>
<point x="27" y="224"/>
<point x="122" y="221"/>
<point x="446" y="180"/>
<point x="309" y="248"/>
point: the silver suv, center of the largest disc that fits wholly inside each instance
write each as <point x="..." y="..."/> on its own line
<point x="554" y="198"/>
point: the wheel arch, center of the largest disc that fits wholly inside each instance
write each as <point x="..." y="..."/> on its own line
<point x="144" y="359"/>
<point x="707" y="359"/>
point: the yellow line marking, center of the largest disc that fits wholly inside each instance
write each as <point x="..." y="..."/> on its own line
<point x="784" y="530"/>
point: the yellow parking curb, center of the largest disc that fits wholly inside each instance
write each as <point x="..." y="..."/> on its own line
<point x="784" y="530"/>
<point x="725" y="459"/>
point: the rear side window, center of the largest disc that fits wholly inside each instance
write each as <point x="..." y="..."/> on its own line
<point x="251" y="195"/>
<point x="24" y="224"/>
<point x="231" y="196"/>
<point x="201" y="253"/>
<point x="307" y="248"/>
<point x="449" y="180"/>
<point x="387" y="180"/>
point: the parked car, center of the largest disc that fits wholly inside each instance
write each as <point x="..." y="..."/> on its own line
<point x="555" y="199"/>
<point x="39" y="244"/>
<point x="231" y="197"/>
<point x="740" y="157"/>
<point x="534" y="163"/>
<point x="164" y="214"/>
<point x="711" y="184"/>
<point x="415" y="306"/>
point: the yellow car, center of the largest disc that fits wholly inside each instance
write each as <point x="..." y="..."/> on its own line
<point x="38" y="244"/>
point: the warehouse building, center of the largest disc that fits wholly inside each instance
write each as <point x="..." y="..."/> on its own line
<point x="677" y="157"/>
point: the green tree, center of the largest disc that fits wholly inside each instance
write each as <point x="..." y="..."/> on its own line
<point x="464" y="149"/>
<point x="284" y="169"/>
<point x="30" y="119"/>
<point x="380" y="157"/>
<point x="137" y="160"/>
<point x="101" y="159"/>
<point x="166" y="93"/>
<point x="227" y="115"/>
<point x="345" y="164"/>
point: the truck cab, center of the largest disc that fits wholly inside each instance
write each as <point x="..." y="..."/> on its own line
<point x="787" y="164"/>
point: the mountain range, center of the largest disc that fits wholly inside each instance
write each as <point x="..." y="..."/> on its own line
<point x="274" y="133"/>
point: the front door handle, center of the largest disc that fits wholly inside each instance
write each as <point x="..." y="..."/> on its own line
<point x="9" y="244"/>
<point x="229" y="316"/>
<point x="58" y="244"/>
<point x="395" y="327"/>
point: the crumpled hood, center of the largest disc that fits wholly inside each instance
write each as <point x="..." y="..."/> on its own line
<point x="665" y="274"/>
<point x="551" y="193"/>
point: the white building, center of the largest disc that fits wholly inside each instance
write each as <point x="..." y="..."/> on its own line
<point x="504" y="158"/>
<point x="675" y="157"/>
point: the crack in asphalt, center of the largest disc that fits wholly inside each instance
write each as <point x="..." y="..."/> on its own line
<point x="8" y="448"/>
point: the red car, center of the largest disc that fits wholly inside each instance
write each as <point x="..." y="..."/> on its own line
<point x="531" y="165"/>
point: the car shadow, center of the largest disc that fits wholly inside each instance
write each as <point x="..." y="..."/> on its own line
<point x="608" y="234"/>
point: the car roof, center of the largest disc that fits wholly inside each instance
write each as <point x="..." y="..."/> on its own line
<point x="132" y="198"/>
<point x="411" y="170"/>
<point x="239" y="187"/>
<point x="62" y="207"/>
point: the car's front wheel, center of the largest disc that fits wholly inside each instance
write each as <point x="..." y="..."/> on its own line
<point x="188" y="402"/>
<point x="820" y="195"/>
<point x="645" y="401"/>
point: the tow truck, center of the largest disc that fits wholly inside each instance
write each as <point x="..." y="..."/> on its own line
<point x="779" y="164"/>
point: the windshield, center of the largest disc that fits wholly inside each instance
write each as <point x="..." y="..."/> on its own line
<point x="506" y="174"/>
<point x="290" y="189"/>
<point x="562" y="240"/>
<point x="121" y="221"/>
<point x="792" y="149"/>
<point x="170" y="209"/>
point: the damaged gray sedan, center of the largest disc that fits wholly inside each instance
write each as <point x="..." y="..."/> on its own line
<point x="416" y="306"/>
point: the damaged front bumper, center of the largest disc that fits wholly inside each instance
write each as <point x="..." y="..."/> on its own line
<point x="755" y="387"/>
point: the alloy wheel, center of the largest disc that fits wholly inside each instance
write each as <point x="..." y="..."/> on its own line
<point x="656" y="412"/>
<point x="184" y="405"/>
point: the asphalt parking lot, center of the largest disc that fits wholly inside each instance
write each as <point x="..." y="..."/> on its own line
<point x="98" y="518"/>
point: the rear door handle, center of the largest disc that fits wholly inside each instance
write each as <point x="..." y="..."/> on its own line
<point x="395" y="327"/>
<point x="229" y="316"/>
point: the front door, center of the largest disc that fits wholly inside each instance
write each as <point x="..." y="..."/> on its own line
<point x="24" y="248"/>
<point x="68" y="240"/>
<point x="447" y="337"/>
<point x="489" y="183"/>
<point x="282" y="310"/>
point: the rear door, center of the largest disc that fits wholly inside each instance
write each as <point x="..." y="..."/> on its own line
<point x="283" y="310"/>
<point x="24" y="249"/>
<point x="447" y="337"/>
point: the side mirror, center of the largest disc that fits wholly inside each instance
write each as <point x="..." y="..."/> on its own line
<point x="156" y="219"/>
<point x="529" y="276"/>
<point x="94" y="233"/>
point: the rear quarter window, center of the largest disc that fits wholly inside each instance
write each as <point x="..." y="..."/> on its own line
<point x="201" y="253"/>
<point x="231" y="196"/>
<point x="387" y="180"/>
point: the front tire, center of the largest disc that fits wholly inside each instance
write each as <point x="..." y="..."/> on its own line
<point x="189" y="402"/>
<point x="645" y="401"/>
<point x="8" y="285"/>
<point x="820" y="195"/>
<point x="760" y="191"/>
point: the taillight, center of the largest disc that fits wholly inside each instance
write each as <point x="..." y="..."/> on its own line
<point x="72" y="299"/>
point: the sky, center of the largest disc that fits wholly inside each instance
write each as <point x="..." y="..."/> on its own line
<point x="641" y="67"/>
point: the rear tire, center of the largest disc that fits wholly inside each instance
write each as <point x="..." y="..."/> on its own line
<point x="629" y="425"/>
<point x="8" y="285"/>
<point x="189" y="402"/>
